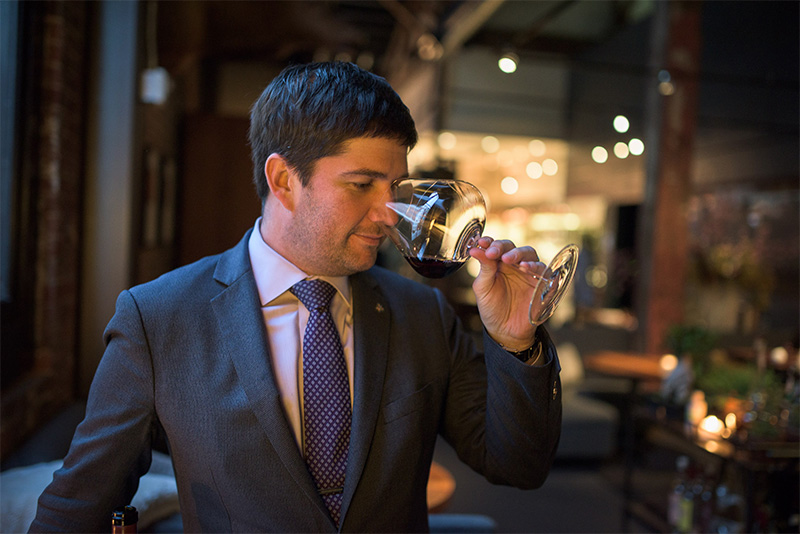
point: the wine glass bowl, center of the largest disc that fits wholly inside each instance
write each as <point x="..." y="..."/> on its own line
<point x="435" y="222"/>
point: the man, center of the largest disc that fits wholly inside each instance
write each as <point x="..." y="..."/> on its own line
<point x="215" y="352"/>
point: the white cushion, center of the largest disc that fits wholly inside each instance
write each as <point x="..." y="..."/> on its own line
<point x="156" y="499"/>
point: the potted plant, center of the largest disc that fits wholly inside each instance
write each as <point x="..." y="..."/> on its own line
<point x="692" y="343"/>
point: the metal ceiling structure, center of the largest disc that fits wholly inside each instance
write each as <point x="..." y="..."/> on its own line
<point x="382" y="32"/>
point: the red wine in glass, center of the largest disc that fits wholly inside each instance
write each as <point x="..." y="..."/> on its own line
<point x="433" y="268"/>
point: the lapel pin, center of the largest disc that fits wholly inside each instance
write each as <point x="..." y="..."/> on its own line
<point x="378" y="308"/>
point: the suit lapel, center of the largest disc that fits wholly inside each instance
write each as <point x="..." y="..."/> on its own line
<point x="371" y="321"/>
<point x="243" y="339"/>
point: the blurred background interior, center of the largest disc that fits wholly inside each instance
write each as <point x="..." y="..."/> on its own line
<point x="661" y="137"/>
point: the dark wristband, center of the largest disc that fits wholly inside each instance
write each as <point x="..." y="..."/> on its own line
<point x="524" y="355"/>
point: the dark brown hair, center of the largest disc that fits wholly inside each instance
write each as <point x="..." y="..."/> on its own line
<point x="309" y="111"/>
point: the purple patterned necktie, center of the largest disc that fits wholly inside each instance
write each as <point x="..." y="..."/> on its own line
<point x="326" y="395"/>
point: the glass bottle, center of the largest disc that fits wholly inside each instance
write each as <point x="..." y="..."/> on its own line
<point x="705" y="504"/>
<point x="674" y="508"/>
<point x="124" y="520"/>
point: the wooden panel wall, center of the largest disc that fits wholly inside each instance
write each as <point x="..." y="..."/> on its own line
<point x="218" y="201"/>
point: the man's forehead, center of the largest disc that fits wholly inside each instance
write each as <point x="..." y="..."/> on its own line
<point x="373" y="140"/>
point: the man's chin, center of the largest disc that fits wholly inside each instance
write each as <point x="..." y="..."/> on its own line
<point x="365" y="259"/>
<point x="367" y="263"/>
<point x="357" y="260"/>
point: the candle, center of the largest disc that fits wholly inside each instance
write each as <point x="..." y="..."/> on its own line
<point x="710" y="427"/>
<point x="697" y="407"/>
<point x="730" y="421"/>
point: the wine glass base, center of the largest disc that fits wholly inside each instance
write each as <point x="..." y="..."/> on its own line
<point x="551" y="287"/>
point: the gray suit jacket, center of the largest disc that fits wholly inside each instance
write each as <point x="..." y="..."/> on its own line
<point x="188" y="352"/>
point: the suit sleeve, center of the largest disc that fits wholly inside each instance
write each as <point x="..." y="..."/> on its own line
<point x="502" y="416"/>
<point x="111" y="448"/>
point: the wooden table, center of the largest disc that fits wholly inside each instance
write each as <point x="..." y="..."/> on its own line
<point x="634" y="365"/>
<point x="441" y="486"/>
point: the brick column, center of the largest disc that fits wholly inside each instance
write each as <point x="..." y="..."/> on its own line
<point x="663" y="254"/>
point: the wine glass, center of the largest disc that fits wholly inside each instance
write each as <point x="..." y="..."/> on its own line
<point x="436" y="222"/>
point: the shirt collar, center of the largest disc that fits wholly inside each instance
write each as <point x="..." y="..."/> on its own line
<point x="275" y="274"/>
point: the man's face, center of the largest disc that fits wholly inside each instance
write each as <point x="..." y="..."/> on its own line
<point x="336" y="224"/>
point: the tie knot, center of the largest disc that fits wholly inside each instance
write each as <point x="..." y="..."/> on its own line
<point x="314" y="294"/>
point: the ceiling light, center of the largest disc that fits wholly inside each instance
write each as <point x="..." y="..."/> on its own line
<point x="447" y="141"/>
<point x="509" y="185"/>
<point x="508" y="62"/>
<point x="621" y="123"/>
<point x="599" y="154"/>
<point x="621" y="150"/>
<point x="490" y="144"/>
<point x="534" y="170"/>
<point x="365" y="60"/>
<point x="537" y="148"/>
<point x="636" y="146"/>
<point x="550" y="167"/>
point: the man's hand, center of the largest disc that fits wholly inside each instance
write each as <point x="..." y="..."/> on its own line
<point x="503" y="290"/>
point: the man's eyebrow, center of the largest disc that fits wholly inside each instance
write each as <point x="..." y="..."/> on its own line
<point x="370" y="173"/>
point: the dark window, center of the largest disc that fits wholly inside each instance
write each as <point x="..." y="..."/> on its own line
<point x="17" y="224"/>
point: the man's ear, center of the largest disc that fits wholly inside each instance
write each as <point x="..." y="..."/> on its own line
<point x="278" y="175"/>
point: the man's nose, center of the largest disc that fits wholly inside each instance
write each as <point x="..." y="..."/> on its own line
<point x="381" y="212"/>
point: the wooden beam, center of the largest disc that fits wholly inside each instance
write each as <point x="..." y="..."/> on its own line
<point x="465" y="22"/>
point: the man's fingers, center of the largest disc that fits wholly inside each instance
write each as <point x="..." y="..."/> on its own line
<point x="520" y="254"/>
<point x="488" y="265"/>
<point x="496" y="248"/>
<point x="536" y="269"/>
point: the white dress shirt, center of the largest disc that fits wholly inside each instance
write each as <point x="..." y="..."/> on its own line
<point x="285" y="318"/>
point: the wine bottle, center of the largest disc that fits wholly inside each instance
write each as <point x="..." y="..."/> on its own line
<point x="674" y="509"/>
<point x="124" y="520"/>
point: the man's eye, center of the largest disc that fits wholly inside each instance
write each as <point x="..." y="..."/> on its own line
<point x="362" y="186"/>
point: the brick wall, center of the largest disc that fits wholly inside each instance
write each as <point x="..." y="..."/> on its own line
<point x="51" y="183"/>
